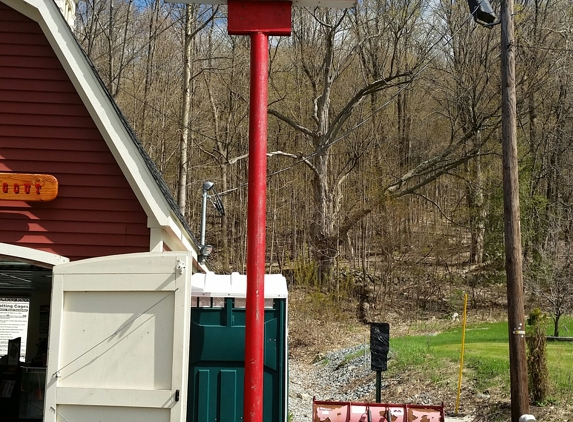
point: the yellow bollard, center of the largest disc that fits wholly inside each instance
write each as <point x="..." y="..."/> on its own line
<point x="462" y="353"/>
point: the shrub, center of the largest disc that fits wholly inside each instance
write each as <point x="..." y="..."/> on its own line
<point x="537" y="356"/>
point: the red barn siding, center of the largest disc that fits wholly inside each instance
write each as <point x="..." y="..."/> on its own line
<point x="45" y="128"/>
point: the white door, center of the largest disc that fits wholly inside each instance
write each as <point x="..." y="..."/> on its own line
<point x="119" y="339"/>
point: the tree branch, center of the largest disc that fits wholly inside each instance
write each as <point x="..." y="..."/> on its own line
<point x="291" y="123"/>
<point x="371" y="88"/>
<point x="279" y="153"/>
<point x="352" y="219"/>
<point x="429" y="166"/>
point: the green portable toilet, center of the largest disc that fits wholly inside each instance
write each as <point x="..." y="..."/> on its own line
<point x="217" y="349"/>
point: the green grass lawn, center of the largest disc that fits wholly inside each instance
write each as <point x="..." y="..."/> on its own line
<point x="486" y="353"/>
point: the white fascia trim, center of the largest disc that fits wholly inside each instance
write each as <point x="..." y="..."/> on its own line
<point x="176" y="239"/>
<point x="156" y="239"/>
<point x="172" y="235"/>
<point x="180" y="237"/>
<point x="32" y="256"/>
<point x="102" y="112"/>
<point x="176" y="243"/>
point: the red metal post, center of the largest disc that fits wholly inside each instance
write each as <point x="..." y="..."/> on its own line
<point x="258" y="19"/>
<point x="256" y="230"/>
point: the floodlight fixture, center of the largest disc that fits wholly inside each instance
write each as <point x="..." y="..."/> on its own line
<point x="482" y="12"/>
<point x="204" y="253"/>
<point x="207" y="185"/>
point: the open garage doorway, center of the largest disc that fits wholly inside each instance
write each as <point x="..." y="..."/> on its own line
<point x="25" y="294"/>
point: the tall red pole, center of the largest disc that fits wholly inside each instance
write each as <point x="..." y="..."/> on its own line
<point x="258" y="19"/>
<point x="256" y="229"/>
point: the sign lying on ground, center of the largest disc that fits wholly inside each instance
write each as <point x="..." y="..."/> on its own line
<point x="323" y="411"/>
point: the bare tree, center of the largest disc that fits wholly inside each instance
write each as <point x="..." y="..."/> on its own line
<point x="550" y="282"/>
<point x="194" y="23"/>
<point x="328" y="32"/>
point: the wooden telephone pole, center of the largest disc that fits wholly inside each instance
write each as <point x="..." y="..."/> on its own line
<point x="513" y="256"/>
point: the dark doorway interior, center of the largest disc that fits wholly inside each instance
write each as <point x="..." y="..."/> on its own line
<point x="25" y="291"/>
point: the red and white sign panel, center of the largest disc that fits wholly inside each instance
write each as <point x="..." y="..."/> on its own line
<point x="332" y="411"/>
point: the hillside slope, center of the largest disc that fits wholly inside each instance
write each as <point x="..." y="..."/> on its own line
<point x="329" y="359"/>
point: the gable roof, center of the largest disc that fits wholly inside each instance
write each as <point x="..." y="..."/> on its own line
<point x="139" y="169"/>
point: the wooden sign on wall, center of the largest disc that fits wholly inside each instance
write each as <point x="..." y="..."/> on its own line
<point x="28" y="187"/>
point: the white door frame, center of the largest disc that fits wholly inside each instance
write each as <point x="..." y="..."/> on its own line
<point x="32" y="256"/>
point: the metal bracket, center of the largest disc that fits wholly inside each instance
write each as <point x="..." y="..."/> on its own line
<point x="519" y="330"/>
<point x="180" y="267"/>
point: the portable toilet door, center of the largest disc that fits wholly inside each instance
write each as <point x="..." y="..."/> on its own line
<point x="217" y="349"/>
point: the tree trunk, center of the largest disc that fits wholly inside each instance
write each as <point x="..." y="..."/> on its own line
<point x="324" y="236"/>
<point x="556" y="325"/>
<point x="477" y="211"/>
<point x="183" y="145"/>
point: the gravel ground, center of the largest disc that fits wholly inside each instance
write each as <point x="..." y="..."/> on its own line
<point x="342" y="375"/>
<point x="345" y="375"/>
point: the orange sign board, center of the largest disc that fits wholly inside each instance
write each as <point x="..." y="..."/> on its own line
<point x="28" y="187"/>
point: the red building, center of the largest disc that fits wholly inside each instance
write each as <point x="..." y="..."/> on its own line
<point x="56" y="118"/>
<point x="58" y="124"/>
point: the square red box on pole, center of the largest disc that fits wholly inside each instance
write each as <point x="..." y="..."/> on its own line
<point x="269" y="17"/>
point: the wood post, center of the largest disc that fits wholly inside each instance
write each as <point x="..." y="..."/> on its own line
<point x="513" y="255"/>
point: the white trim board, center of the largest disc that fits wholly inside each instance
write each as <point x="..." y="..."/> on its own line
<point x="32" y="256"/>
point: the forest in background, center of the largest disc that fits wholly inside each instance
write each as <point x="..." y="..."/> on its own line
<point x="384" y="140"/>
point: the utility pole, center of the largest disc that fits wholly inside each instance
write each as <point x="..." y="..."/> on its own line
<point x="484" y="15"/>
<point x="512" y="228"/>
